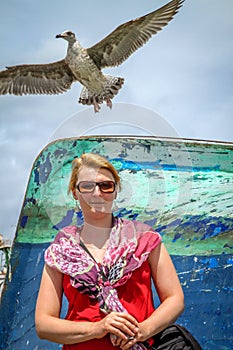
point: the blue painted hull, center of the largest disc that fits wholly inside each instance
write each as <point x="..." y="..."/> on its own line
<point x="209" y="278"/>
<point x="187" y="199"/>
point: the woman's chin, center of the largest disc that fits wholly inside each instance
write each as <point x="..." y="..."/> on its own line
<point x="100" y="209"/>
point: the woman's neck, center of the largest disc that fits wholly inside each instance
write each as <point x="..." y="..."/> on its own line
<point x="96" y="233"/>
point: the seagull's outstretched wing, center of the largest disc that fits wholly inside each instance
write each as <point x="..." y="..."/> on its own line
<point x="37" y="79"/>
<point x="128" y="37"/>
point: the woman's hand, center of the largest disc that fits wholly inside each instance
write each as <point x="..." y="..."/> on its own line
<point x="140" y="336"/>
<point x="119" y="324"/>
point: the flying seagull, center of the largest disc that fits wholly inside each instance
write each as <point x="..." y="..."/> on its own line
<point x="85" y="64"/>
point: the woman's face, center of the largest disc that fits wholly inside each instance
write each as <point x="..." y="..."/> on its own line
<point x="92" y="200"/>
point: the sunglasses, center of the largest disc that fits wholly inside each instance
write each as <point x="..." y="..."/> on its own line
<point x="89" y="186"/>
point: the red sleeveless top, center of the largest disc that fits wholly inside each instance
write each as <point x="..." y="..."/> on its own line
<point x="135" y="295"/>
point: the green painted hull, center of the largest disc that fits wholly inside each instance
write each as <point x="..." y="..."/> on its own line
<point x="185" y="187"/>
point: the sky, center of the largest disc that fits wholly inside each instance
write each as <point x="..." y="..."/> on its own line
<point x="182" y="80"/>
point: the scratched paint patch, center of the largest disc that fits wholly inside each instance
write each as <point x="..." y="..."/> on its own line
<point x="199" y="235"/>
<point x="208" y="287"/>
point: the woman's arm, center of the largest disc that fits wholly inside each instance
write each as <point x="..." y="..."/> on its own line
<point x="169" y="290"/>
<point x="49" y="325"/>
<point x="170" y="294"/>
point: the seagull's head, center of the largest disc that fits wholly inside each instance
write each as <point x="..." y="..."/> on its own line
<point x="67" y="35"/>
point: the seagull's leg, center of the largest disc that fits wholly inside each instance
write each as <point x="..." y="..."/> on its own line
<point x="109" y="102"/>
<point x="96" y="105"/>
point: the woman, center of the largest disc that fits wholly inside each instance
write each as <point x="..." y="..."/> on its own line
<point x="105" y="269"/>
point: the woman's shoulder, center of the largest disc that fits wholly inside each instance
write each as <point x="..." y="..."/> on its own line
<point x="138" y="225"/>
<point x="72" y="229"/>
<point x="139" y="230"/>
<point x="68" y="231"/>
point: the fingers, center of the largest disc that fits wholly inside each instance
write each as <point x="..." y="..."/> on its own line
<point x="127" y="324"/>
<point x="117" y="341"/>
<point x="125" y="344"/>
<point x="122" y="325"/>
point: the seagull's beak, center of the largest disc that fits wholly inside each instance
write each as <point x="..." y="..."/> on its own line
<point x="59" y="36"/>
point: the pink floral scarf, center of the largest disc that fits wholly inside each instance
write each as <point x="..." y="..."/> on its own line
<point x="129" y="246"/>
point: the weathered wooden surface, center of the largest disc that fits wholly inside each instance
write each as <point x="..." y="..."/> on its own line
<point x="182" y="188"/>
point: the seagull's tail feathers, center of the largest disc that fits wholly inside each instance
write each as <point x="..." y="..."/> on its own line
<point x="111" y="88"/>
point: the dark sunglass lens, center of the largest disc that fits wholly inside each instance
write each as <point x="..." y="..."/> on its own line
<point x="86" y="186"/>
<point x="107" y="186"/>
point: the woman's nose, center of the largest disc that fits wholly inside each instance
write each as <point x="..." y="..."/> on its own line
<point x="97" y="190"/>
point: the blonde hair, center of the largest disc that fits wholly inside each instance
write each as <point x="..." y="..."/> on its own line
<point x="91" y="160"/>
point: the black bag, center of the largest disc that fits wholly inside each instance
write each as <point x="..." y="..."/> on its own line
<point x="174" y="337"/>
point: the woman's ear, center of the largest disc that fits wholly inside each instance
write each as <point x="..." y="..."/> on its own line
<point x="75" y="195"/>
<point x="116" y="193"/>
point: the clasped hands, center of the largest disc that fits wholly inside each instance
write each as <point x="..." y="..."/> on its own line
<point x="124" y="329"/>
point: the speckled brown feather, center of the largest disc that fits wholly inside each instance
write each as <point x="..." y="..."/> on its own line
<point x="52" y="78"/>
<point x="128" y="37"/>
